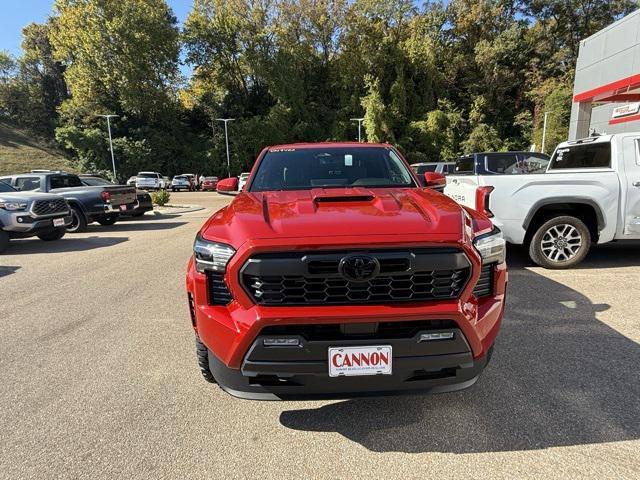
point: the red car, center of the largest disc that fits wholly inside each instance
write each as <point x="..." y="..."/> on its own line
<point x="209" y="184"/>
<point x="335" y="274"/>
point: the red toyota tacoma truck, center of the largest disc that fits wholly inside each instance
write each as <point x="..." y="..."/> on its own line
<point x="335" y="273"/>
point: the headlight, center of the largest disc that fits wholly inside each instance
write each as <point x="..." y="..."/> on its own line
<point x="13" y="206"/>
<point x="491" y="246"/>
<point x="211" y="255"/>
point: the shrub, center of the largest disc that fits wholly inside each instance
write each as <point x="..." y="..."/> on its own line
<point x="161" y="197"/>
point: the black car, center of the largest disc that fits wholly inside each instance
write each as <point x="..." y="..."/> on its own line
<point x="102" y="203"/>
<point x="145" y="204"/>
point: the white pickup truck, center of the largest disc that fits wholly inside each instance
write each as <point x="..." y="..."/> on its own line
<point x="589" y="194"/>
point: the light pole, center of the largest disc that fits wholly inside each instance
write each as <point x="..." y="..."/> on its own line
<point x="113" y="160"/>
<point x="226" y="139"/>
<point x="544" y="130"/>
<point x="359" y="120"/>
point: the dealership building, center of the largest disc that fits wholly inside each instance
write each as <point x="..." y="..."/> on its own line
<point x="606" y="93"/>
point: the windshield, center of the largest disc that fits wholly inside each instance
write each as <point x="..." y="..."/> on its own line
<point x="147" y="175"/>
<point x="95" y="181"/>
<point x="331" y="167"/>
<point x="6" y="188"/>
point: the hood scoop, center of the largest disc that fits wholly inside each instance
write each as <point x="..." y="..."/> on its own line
<point x="344" y="199"/>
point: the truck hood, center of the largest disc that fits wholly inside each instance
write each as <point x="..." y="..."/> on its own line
<point x="335" y="212"/>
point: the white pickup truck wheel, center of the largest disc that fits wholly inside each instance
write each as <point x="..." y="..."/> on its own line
<point x="561" y="242"/>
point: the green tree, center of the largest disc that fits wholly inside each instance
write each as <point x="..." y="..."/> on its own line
<point x="33" y="87"/>
<point x="121" y="58"/>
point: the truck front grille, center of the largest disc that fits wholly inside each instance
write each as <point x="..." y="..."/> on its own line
<point x="315" y="279"/>
<point x="49" y="207"/>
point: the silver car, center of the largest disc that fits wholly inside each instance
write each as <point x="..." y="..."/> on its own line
<point x="31" y="214"/>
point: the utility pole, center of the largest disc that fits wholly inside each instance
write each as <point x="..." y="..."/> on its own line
<point x="544" y="130"/>
<point x="359" y="120"/>
<point x="226" y="139"/>
<point x="113" y="160"/>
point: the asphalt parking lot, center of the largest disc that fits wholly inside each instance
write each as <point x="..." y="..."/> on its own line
<point x="99" y="380"/>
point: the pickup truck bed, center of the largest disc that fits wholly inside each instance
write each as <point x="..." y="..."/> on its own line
<point x="594" y="181"/>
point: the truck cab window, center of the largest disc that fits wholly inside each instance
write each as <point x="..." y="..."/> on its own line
<point x="594" y="155"/>
<point x="63" y="181"/>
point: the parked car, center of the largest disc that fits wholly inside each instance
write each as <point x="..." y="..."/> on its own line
<point x="243" y="180"/>
<point x="589" y="194"/>
<point x="144" y="201"/>
<point x="150" y="181"/>
<point x="192" y="180"/>
<point x="132" y="181"/>
<point x="31" y="214"/>
<point x="181" y="182"/>
<point x="501" y="163"/>
<point x="102" y="204"/>
<point x="347" y="277"/>
<point x="209" y="184"/>
<point x="439" y="167"/>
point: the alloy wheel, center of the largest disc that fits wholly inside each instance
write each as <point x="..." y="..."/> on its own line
<point x="561" y="242"/>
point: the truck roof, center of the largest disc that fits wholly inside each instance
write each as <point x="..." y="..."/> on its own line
<point x="327" y="145"/>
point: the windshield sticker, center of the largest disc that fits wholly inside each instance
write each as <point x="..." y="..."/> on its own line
<point x="276" y="150"/>
<point x="348" y="160"/>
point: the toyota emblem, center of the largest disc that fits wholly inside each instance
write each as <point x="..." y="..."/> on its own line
<point x="359" y="267"/>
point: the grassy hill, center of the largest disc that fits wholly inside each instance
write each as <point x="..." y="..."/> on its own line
<point x="21" y="152"/>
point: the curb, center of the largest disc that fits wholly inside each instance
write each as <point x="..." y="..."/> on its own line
<point x="176" y="209"/>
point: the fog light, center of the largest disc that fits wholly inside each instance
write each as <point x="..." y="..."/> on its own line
<point x="19" y="219"/>
<point x="428" y="337"/>
<point x="281" y="342"/>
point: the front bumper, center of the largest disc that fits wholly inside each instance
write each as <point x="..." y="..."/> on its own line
<point x="230" y="331"/>
<point x="289" y="373"/>
<point x="25" y="224"/>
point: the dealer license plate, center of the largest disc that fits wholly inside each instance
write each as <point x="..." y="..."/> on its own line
<point x="58" y="222"/>
<point x="123" y="208"/>
<point x="354" y="361"/>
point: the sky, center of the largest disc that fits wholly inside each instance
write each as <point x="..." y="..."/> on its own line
<point x="16" y="14"/>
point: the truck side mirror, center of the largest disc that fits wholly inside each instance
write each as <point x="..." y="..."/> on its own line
<point x="434" y="180"/>
<point x="227" y="186"/>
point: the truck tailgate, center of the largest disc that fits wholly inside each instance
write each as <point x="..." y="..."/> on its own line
<point x="462" y="188"/>
<point x="121" y="195"/>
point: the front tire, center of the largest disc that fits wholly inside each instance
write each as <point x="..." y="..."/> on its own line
<point x="106" y="221"/>
<point x="561" y="242"/>
<point x="53" y="235"/>
<point x="202" y="353"/>
<point x="78" y="221"/>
